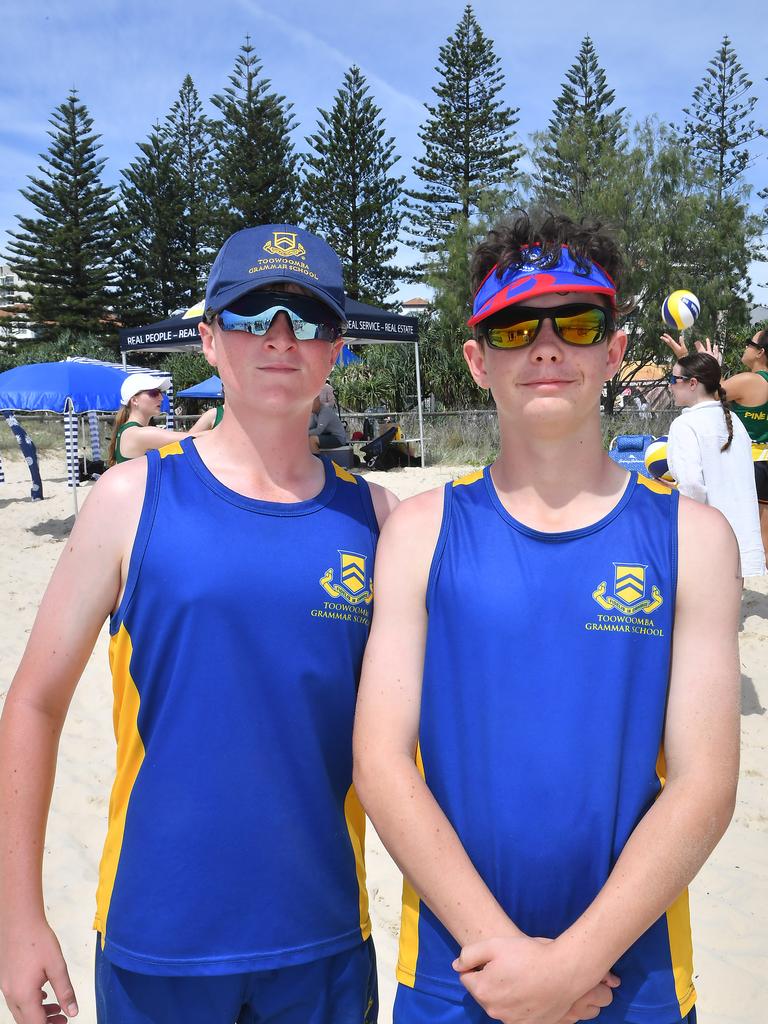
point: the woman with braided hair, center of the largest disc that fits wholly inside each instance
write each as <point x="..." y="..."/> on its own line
<point x="710" y="455"/>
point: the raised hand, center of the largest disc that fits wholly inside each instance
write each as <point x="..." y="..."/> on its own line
<point x="710" y="349"/>
<point x="679" y="347"/>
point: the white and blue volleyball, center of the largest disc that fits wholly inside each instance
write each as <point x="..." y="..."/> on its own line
<point x="680" y="310"/>
<point x="655" y="459"/>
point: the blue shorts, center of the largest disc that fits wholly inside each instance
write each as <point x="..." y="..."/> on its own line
<point x="413" y="1007"/>
<point x="338" y="989"/>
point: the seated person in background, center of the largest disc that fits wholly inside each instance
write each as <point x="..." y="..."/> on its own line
<point x="326" y="429"/>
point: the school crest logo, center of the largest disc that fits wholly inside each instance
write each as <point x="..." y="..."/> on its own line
<point x="629" y="586"/>
<point x="354" y="585"/>
<point x="284" y="244"/>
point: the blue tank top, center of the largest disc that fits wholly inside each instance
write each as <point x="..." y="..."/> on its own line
<point x="544" y="693"/>
<point x="235" y="838"/>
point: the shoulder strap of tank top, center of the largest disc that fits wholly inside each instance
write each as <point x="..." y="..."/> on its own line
<point x="119" y="433"/>
<point x="367" y="502"/>
<point x="442" y="537"/>
<point x="143" y="531"/>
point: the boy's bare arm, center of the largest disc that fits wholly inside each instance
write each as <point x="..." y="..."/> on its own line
<point x="398" y="801"/>
<point x="384" y="503"/>
<point x="701" y="747"/>
<point x="83" y="590"/>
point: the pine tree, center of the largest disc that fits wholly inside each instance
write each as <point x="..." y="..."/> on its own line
<point x="582" y="132"/>
<point x="64" y="253"/>
<point x="349" y="195"/>
<point x="718" y="128"/>
<point x="152" y="233"/>
<point x="189" y="130"/>
<point x="469" y="148"/>
<point x="718" y="123"/>
<point x="255" y="162"/>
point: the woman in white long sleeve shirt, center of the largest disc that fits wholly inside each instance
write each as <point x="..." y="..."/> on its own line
<point x="710" y="454"/>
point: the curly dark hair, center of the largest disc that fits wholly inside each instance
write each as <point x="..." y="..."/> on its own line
<point x="587" y="241"/>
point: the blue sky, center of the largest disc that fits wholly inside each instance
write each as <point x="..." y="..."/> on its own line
<point x="128" y="60"/>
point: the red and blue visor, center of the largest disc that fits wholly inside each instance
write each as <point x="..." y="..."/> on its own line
<point x="524" y="281"/>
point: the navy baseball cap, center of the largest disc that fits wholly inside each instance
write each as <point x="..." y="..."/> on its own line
<point x="270" y="254"/>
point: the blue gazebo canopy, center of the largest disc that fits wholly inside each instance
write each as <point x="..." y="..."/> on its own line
<point x="346" y="356"/>
<point x="49" y="387"/>
<point x="209" y="388"/>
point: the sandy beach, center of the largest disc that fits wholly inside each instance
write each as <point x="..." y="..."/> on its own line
<point x="729" y="899"/>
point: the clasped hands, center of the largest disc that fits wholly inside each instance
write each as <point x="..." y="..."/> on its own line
<point x="523" y="980"/>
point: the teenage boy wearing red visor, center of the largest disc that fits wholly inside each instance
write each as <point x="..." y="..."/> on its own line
<point x="547" y="727"/>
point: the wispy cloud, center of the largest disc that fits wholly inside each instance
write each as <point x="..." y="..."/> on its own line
<point x="318" y="46"/>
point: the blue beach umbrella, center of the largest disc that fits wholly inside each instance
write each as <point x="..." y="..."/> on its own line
<point x="61" y="387"/>
<point x="210" y="388"/>
<point x="70" y="388"/>
<point x="346" y="356"/>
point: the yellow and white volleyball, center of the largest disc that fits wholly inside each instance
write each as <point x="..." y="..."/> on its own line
<point x="655" y="459"/>
<point x="680" y="309"/>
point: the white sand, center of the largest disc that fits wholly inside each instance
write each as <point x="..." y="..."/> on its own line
<point x="729" y="899"/>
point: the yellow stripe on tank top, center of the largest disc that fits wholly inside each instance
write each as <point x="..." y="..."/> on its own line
<point x="173" y="448"/>
<point x="657" y="486"/>
<point x="470" y="478"/>
<point x="679" y="929"/>
<point x="130" y="755"/>
<point x="408" y="953"/>
<point x="342" y="474"/>
<point x="355" y="817"/>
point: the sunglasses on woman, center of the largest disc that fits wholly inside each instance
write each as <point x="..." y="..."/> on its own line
<point x="578" y="324"/>
<point x="153" y="392"/>
<point x="673" y="378"/>
<point x="254" y="313"/>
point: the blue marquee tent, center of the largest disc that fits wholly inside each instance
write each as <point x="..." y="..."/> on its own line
<point x="60" y="387"/>
<point x="209" y="388"/>
<point x="70" y="388"/>
<point x="346" y="356"/>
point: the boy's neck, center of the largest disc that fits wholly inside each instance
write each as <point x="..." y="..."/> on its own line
<point x="558" y="482"/>
<point x="266" y="458"/>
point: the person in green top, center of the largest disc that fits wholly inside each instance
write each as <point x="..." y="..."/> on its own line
<point x="748" y="395"/>
<point x="142" y="396"/>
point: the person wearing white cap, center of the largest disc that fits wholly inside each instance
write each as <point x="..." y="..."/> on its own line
<point x="142" y="396"/>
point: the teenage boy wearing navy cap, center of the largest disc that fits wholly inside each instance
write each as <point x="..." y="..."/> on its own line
<point x="236" y="572"/>
<point x="548" y="719"/>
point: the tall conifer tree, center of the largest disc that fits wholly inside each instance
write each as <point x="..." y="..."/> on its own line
<point x="189" y="130"/>
<point x="584" y="129"/>
<point x="152" y="233"/>
<point x="468" y="137"/>
<point x="64" y="253"/>
<point x="719" y="130"/>
<point x="255" y="162"/>
<point x="718" y="122"/>
<point x="349" y="195"/>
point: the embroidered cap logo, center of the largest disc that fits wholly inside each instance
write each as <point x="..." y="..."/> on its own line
<point x="284" y="244"/>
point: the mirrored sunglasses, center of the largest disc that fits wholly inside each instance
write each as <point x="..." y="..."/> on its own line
<point x="310" y="320"/>
<point x="153" y="392"/>
<point x="579" y="324"/>
<point x="673" y="378"/>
